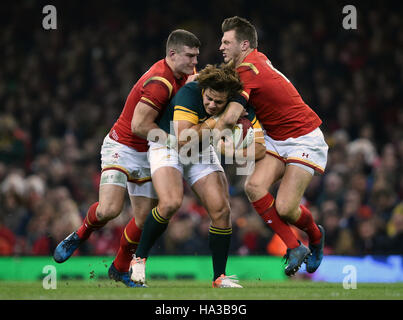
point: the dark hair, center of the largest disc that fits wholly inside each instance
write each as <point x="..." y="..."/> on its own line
<point x="222" y="79"/>
<point x="179" y="38"/>
<point x="244" y="30"/>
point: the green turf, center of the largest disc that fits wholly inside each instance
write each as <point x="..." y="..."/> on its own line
<point x="199" y="290"/>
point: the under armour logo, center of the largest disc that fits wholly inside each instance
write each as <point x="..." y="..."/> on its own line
<point x="305" y="155"/>
<point x="269" y="221"/>
<point x="116" y="156"/>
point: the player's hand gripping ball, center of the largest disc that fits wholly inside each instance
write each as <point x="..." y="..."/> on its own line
<point x="243" y="133"/>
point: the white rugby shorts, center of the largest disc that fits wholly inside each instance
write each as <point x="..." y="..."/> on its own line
<point x="134" y="165"/>
<point x="308" y="151"/>
<point x="206" y="162"/>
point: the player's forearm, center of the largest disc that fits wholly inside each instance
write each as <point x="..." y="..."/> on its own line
<point x="147" y="130"/>
<point x="143" y="122"/>
<point x="199" y="133"/>
<point x="230" y="116"/>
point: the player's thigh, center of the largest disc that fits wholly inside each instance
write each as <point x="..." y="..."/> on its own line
<point x="291" y="190"/>
<point x="212" y="191"/>
<point x="120" y="164"/>
<point x="168" y="184"/>
<point x="141" y="207"/>
<point x="267" y="172"/>
<point x="132" y="164"/>
<point x="167" y="178"/>
<point x="111" y="201"/>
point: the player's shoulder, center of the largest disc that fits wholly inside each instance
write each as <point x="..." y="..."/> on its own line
<point x="253" y="63"/>
<point x="190" y="89"/>
<point x="189" y="97"/>
<point x="192" y="86"/>
<point x="160" y="73"/>
<point x="190" y="93"/>
<point x="162" y="70"/>
<point x="248" y="67"/>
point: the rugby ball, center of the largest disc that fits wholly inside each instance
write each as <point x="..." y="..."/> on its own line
<point x="243" y="133"/>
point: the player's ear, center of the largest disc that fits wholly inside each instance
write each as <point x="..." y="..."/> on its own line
<point x="245" y="45"/>
<point x="171" y="53"/>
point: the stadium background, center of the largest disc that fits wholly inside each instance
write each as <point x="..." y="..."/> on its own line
<point x="61" y="90"/>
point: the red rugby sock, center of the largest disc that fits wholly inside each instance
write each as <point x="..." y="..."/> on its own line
<point x="306" y="223"/>
<point x="266" y="209"/>
<point x="90" y="223"/>
<point x="128" y="245"/>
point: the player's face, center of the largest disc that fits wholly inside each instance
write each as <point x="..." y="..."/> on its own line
<point x="230" y="47"/>
<point x="186" y="60"/>
<point x="214" y="101"/>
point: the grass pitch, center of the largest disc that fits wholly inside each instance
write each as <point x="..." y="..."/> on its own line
<point x="199" y="290"/>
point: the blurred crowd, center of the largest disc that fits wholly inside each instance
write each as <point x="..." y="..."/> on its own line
<point x="61" y="91"/>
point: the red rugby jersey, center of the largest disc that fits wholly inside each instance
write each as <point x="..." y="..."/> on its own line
<point x="155" y="88"/>
<point x="278" y="105"/>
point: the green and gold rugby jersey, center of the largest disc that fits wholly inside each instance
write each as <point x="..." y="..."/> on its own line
<point x="187" y="105"/>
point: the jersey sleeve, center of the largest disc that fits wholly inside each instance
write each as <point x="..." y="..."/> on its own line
<point x="248" y="75"/>
<point x="184" y="114"/>
<point x="239" y="98"/>
<point x="156" y="92"/>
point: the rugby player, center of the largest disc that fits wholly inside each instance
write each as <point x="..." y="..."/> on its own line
<point x="193" y="110"/>
<point x="124" y="153"/>
<point x="295" y="145"/>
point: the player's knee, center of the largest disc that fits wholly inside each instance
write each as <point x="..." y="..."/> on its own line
<point x="106" y="212"/>
<point x="284" y="208"/>
<point x="168" y="207"/>
<point x="254" y="190"/>
<point x="140" y="215"/>
<point x="221" y="215"/>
